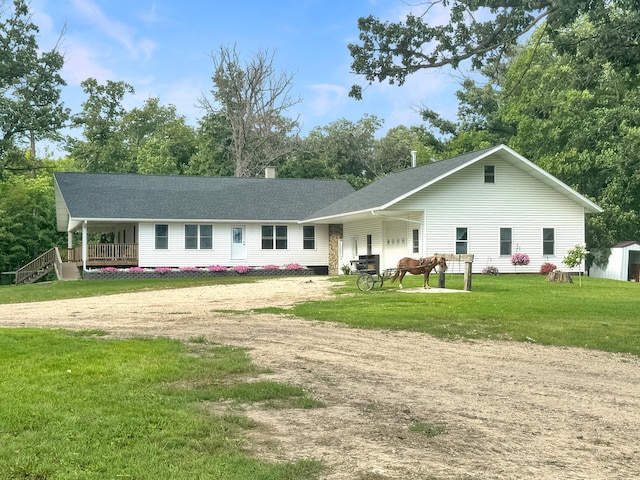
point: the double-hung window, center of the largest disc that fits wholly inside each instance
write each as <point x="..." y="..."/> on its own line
<point x="548" y="241"/>
<point x="462" y="239"/>
<point x="506" y="241"/>
<point x="274" y="237"/>
<point x="416" y="241"/>
<point x="162" y="237"/>
<point x="309" y="237"/>
<point x="191" y="237"/>
<point x="489" y="174"/>
<point x="198" y="236"/>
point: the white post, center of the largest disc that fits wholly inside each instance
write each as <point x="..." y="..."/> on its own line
<point x="85" y="248"/>
<point x="69" y="239"/>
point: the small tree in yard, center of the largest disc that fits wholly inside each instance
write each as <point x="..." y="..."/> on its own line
<point x="575" y="257"/>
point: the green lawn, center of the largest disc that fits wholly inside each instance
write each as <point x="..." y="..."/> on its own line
<point x="599" y="314"/>
<point x="75" y="406"/>
<point x="37" y="292"/>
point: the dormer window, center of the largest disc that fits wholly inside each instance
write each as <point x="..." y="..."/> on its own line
<point x="489" y="174"/>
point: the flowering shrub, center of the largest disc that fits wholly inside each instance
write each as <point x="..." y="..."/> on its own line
<point x="108" y="269"/>
<point x="271" y="267"/>
<point x="217" y="268"/>
<point x="547" y="268"/>
<point x="162" y="269"/>
<point x="575" y="256"/>
<point x="520" y="259"/>
<point x="241" y="268"/>
<point x="135" y="270"/>
<point x="490" y="270"/>
<point x="293" y="266"/>
<point x="189" y="269"/>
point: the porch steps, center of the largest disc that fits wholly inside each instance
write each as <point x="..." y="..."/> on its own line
<point x="38" y="268"/>
<point x="45" y="263"/>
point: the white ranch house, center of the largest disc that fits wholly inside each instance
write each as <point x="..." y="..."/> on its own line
<point x="490" y="203"/>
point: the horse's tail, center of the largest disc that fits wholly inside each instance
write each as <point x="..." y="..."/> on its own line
<point x="395" y="275"/>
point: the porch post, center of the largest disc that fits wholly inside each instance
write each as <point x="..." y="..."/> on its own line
<point x="84" y="246"/>
<point x="69" y="240"/>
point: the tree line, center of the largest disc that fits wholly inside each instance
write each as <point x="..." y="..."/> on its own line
<point x="566" y="97"/>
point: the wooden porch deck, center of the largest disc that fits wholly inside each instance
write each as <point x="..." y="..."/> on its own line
<point x="105" y="255"/>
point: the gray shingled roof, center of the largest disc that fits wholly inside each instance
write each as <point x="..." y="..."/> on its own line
<point x="395" y="185"/>
<point x="132" y="196"/>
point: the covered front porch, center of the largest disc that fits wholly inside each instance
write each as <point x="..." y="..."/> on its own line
<point x="102" y="244"/>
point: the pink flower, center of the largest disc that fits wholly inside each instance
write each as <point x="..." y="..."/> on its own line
<point x="217" y="268"/>
<point x="520" y="259"/>
<point x="293" y="266"/>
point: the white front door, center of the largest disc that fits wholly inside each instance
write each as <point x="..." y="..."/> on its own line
<point x="238" y="244"/>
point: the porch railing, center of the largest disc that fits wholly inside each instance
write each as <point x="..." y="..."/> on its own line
<point x="37" y="268"/>
<point x="106" y="254"/>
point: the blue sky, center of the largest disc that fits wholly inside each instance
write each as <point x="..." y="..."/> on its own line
<point x="163" y="49"/>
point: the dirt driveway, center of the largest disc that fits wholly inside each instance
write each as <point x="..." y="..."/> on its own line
<point x="509" y="410"/>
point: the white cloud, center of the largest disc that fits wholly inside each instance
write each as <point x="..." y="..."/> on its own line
<point x="82" y="62"/>
<point x="118" y="31"/>
<point x="325" y="98"/>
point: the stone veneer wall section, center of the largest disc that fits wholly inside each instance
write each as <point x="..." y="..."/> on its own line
<point x="335" y="235"/>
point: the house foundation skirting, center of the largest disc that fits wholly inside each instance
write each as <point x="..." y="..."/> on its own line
<point x="123" y="275"/>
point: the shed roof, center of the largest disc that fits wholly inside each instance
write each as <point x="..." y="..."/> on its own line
<point x="625" y="244"/>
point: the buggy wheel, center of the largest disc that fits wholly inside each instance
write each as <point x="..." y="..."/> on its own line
<point x="365" y="282"/>
<point x="380" y="280"/>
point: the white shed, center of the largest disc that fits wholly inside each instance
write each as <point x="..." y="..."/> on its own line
<point x="624" y="263"/>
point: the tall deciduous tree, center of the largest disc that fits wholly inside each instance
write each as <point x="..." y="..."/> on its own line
<point x="393" y="151"/>
<point x="580" y="120"/>
<point x="390" y="51"/>
<point x="30" y="85"/>
<point x="254" y="98"/>
<point x="159" y="140"/>
<point x="27" y="219"/>
<point x="213" y="153"/>
<point x="103" y="148"/>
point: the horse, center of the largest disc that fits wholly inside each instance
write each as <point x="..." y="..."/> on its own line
<point x="418" y="267"/>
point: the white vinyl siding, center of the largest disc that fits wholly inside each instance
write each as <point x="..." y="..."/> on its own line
<point x="358" y="232"/>
<point x="516" y="199"/>
<point x="177" y="256"/>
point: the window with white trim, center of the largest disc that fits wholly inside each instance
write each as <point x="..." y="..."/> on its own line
<point x="548" y="241"/>
<point x="274" y="237"/>
<point x="309" y="237"/>
<point x="462" y="239"/>
<point x="489" y="174"/>
<point x="506" y="241"/>
<point x="162" y="236"/>
<point x="198" y="237"/>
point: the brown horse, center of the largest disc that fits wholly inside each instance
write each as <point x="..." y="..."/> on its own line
<point x="419" y="267"/>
